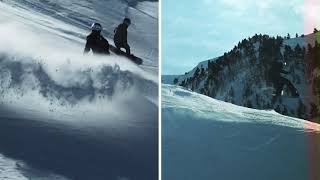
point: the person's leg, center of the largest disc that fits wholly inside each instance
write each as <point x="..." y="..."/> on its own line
<point x="127" y="48"/>
<point x="118" y="47"/>
<point x="107" y="50"/>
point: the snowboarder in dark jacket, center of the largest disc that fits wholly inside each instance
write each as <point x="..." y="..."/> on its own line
<point x="278" y="81"/>
<point x="96" y="42"/>
<point x="120" y="36"/>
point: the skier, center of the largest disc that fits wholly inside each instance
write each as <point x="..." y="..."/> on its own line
<point x="279" y="81"/>
<point x="96" y="42"/>
<point x="120" y="36"/>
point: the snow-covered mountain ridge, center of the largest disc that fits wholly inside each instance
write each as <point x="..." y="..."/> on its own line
<point x="241" y="76"/>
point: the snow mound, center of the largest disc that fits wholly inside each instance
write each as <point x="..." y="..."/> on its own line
<point x="175" y="97"/>
<point x="204" y="138"/>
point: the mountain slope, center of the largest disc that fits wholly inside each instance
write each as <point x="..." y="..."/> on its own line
<point x="204" y="138"/>
<point x="242" y="75"/>
<point x="81" y="117"/>
<point x="73" y="18"/>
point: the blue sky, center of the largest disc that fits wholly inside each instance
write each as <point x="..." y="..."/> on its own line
<point x="196" y="30"/>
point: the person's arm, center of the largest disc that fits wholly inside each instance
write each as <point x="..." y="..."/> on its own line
<point x="106" y="44"/>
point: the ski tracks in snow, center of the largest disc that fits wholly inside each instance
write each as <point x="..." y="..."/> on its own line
<point x="268" y="142"/>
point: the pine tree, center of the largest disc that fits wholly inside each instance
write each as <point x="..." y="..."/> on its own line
<point x="196" y="73"/>
<point x="285" y="111"/>
<point x="301" y="109"/>
<point x="249" y="104"/>
<point x="183" y="83"/>
<point x="175" y="81"/>
<point x="315" y="30"/>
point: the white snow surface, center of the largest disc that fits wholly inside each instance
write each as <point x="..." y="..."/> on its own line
<point x="42" y="42"/>
<point x="44" y="75"/>
<point x="176" y="97"/>
<point x="72" y="20"/>
<point x="203" y="138"/>
<point x="301" y="41"/>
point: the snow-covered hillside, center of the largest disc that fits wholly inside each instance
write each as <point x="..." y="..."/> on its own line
<point x="242" y="75"/>
<point x="204" y="138"/>
<point x="73" y="18"/>
<point x="83" y="117"/>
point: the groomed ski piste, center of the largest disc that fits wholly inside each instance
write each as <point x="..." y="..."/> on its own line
<point x="204" y="138"/>
<point x="64" y="115"/>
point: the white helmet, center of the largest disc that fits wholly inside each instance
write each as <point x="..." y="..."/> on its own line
<point x="96" y="27"/>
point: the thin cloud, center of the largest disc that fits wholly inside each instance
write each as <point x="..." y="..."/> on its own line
<point x="312" y="18"/>
<point x="208" y="28"/>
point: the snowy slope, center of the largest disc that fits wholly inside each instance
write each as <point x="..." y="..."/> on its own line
<point x="73" y="18"/>
<point x="302" y="41"/>
<point x="61" y="109"/>
<point x="204" y="138"/>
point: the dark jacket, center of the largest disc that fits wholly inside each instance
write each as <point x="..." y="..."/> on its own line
<point x="120" y="36"/>
<point x="97" y="43"/>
